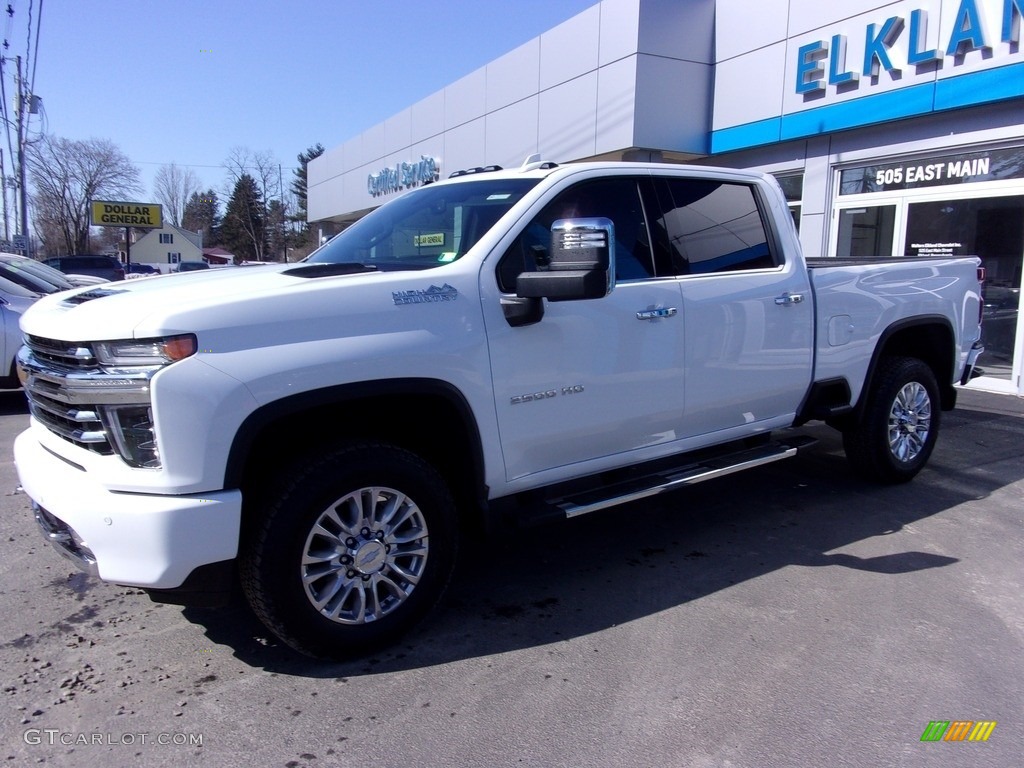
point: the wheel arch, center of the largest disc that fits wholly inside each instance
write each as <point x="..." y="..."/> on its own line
<point x="428" y="417"/>
<point x="929" y="338"/>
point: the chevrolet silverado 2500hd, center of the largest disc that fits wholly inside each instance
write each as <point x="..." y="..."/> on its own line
<point x="505" y="344"/>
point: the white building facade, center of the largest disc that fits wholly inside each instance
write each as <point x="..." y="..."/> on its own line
<point x="895" y="128"/>
<point x="167" y="247"/>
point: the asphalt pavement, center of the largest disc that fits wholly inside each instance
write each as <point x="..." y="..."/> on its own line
<point x="792" y="615"/>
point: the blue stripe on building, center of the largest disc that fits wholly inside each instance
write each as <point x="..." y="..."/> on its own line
<point x="972" y="89"/>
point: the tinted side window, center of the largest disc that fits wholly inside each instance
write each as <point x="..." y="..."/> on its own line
<point x="617" y="199"/>
<point x="713" y="226"/>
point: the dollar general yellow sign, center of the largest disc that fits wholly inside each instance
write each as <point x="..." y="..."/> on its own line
<point x="106" y="213"/>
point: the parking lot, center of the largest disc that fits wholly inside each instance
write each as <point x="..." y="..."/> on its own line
<point x="789" y="616"/>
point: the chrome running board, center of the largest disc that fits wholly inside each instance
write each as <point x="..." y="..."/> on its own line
<point x="662" y="482"/>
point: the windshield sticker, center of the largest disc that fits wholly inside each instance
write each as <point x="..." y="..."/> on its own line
<point x="431" y="295"/>
<point x="447" y="256"/>
<point x="423" y="241"/>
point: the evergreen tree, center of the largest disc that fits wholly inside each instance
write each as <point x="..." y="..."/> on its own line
<point x="202" y="214"/>
<point x="243" y="231"/>
<point x="299" y="189"/>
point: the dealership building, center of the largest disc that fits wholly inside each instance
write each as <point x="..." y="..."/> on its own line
<point x="894" y="128"/>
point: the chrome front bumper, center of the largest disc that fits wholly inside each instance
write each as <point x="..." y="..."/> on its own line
<point x="66" y="540"/>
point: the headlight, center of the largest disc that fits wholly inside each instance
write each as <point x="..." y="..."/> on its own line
<point x="130" y="425"/>
<point x="144" y="352"/>
<point x="133" y="434"/>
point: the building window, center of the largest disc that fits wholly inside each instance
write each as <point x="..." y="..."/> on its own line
<point x="793" y="188"/>
<point x="866" y="231"/>
<point x="991" y="228"/>
<point x="166" y="238"/>
<point x="173" y="258"/>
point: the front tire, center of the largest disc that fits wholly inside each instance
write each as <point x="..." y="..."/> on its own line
<point x="350" y="551"/>
<point x="897" y="431"/>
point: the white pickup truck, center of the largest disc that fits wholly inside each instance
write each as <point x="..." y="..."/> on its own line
<point x="502" y="345"/>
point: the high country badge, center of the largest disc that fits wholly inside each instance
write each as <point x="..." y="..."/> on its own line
<point x="431" y="295"/>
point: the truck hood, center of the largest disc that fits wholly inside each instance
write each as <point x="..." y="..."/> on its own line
<point x="182" y="303"/>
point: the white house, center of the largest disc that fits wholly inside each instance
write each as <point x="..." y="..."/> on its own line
<point x="167" y="246"/>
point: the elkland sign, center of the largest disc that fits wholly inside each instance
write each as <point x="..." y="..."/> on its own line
<point x="906" y="59"/>
<point x="106" y="213"/>
<point x="902" y="41"/>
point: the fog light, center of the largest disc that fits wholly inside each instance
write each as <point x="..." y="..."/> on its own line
<point x="133" y="434"/>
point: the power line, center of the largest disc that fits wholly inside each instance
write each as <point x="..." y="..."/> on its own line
<point x="196" y="165"/>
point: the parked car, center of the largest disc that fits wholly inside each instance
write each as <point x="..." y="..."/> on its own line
<point x="106" y="267"/>
<point x="80" y="280"/>
<point x="33" y="270"/>
<point x="14" y="299"/>
<point x="136" y="268"/>
<point x="191" y="266"/>
<point x="29" y="281"/>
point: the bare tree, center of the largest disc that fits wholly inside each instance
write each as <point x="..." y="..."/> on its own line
<point x="173" y="187"/>
<point x="263" y="167"/>
<point x="264" y="171"/>
<point x="66" y="175"/>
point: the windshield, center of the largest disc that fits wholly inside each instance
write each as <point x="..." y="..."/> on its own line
<point x="425" y="228"/>
<point x="40" y="270"/>
<point x="9" y="288"/>
<point x="27" y="280"/>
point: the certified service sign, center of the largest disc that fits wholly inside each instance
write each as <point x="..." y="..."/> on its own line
<point x="106" y="213"/>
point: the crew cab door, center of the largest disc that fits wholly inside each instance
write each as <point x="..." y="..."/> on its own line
<point x="596" y="378"/>
<point x="747" y="309"/>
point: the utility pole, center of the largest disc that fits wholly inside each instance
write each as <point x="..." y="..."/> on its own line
<point x="280" y="211"/>
<point x="3" y="179"/>
<point x="21" y="161"/>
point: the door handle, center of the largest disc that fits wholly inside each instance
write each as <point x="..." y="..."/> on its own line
<point x="654" y="314"/>
<point x="787" y="299"/>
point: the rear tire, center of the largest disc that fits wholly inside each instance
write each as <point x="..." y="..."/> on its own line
<point x="350" y="550"/>
<point x="896" y="433"/>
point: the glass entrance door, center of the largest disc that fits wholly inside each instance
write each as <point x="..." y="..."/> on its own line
<point x="992" y="228"/>
<point x="866" y="230"/>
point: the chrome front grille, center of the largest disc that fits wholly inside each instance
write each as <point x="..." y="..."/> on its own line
<point x="62" y="353"/>
<point x="78" y="425"/>
<point x="67" y="390"/>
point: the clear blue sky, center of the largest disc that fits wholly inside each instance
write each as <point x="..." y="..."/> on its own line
<point x="184" y="81"/>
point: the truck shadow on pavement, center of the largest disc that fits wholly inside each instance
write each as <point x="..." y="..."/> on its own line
<point x="575" y="578"/>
